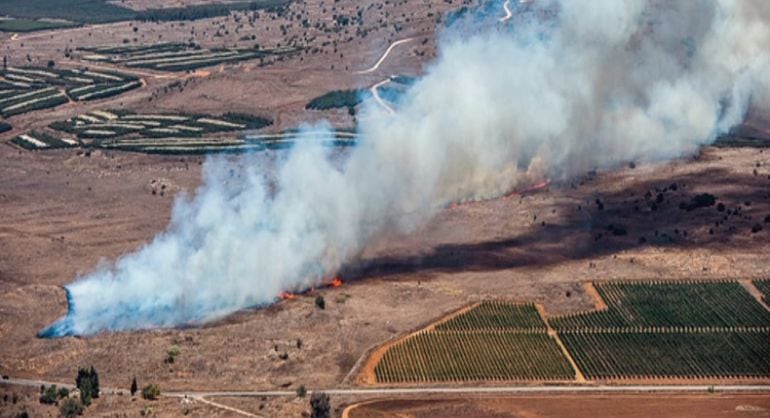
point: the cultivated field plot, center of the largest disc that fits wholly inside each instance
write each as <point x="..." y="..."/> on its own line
<point x="25" y="89"/>
<point x="40" y="140"/>
<point x="693" y="354"/>
<point x="175" y="56"/>
<point x="163" y="133"/>
<point x="685" y="330"/>
<point x="670" y="304"/>
<point x="494" y="341"/>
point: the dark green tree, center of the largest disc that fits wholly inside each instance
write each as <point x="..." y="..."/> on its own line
<point x="134" y="387"/>
<point x="319" y="405"/>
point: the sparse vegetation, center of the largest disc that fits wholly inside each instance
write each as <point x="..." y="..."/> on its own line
<point x="151" y="392"/>
<point x="172" y="353"/>
<point x="301" y="391"/>
<point x="134" y="386"/>
<point x="71" y="407"/>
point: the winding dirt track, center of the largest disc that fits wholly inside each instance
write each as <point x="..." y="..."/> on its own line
<point x="385" y="56"/>
<point x="508" y="13"/>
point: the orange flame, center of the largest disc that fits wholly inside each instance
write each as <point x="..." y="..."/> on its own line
<point x="286" y="296"/>
<point x="337" y="282"/>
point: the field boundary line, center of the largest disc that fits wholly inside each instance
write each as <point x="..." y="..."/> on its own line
<point x="366" y="374"/>
<point x="753" y="291"/>
<point x="579" y="377"/>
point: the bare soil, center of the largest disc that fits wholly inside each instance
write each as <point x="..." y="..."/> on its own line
<point x="642" y="406"/>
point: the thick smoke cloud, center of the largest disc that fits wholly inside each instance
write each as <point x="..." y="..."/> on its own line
<point x="563" y="87"/>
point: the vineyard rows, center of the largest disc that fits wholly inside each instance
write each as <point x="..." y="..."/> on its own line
<point x="670" y="304"/>
<point x="623" y="355"/>
<point x="175" y="56"/>
<point x="494" y="340"/>
<point x="496" y="315"/>
<point x="26" y="89"/>
<point x="482" y="355"/>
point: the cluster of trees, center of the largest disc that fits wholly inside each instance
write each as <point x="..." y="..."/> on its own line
<point x="87" y="383"/>
<point x="205" y="11"/>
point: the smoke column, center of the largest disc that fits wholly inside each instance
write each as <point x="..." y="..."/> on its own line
<point x="564" y="87"/>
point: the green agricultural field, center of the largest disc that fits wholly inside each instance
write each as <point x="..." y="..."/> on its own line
<point x="670" y="304"/>
<point x="102" y="11"/>
<point x="175" y="56"/>
<point x="40" y="140"/>
<point x="474" y="355"/>
<point x="26" y="89"/>
<point x="497" y="315"/>
<point x="650" y="330"/>
<point x="162" y="133"/>
<point x="495" y="340"/>
<point x="31" y="25"/>
<point x="629" y="354"/>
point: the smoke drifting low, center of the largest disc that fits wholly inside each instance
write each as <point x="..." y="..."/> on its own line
<point x="563" y="87"/>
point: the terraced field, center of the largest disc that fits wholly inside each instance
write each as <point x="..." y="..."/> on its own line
<point x="175" y="56"/>
<point x="25" y="89"/>
<point x="493" y="341"/>
<point x="170" y="133"/>
<point x="649" y="330"/>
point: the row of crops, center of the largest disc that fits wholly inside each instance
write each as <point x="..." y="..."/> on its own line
<point x="649" y="330"/>
<point x="175" y="56"/>
<point x="163" y="133"/>
<point x="670" y="304"/>
<point x="470" y="356"/>
<point x="25" y="89"/>
<point x="496" y="315"/>
<point x="494" y="340"/>
<point x="622" y="355"/>
<point x="36" y="140"/>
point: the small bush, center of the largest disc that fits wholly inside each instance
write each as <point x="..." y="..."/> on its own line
<point x="71" y="407"/>
<point x="320" y="303"/>
<point x="700" y="201"/>
<point x="49" y="396"/>
<point x="172" y="353"/>
<point x="301" y="391"/>
<point x="151" y="392"/>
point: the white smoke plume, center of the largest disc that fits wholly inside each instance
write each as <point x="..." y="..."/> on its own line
<point x="563" y="87"/>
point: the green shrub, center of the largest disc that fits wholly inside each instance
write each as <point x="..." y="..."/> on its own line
<point x="151" y="392"/>
<point x="71" y="407"/>
<point x="49" y="396"/>
<point x="320" y="302"/>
